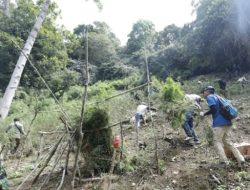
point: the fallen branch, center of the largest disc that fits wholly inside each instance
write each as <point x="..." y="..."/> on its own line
<point x="62" y="180"/>
<point x="52" y="132"/>
<point x="55" y="164"/>
<point x="113" y="177"/>
<point x="48" y="159"/>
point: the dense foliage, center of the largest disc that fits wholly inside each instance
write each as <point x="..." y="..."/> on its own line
<point x="216" y="41"/>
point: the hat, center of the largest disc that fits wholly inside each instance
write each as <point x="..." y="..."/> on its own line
<point x="210" y="89"/>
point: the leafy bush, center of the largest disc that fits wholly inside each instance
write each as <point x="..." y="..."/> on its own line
<point x="172" y="100"/>
<point x="97" y="140"/>
<point x="172" y="91"/>
<point x="75" y="92"/>
<point x="100" y="90"/>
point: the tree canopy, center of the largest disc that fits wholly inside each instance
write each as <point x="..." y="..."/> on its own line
<point x="217" y="41"/>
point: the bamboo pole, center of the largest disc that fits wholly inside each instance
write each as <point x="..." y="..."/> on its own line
<point x="79" y="129"/>
<point x="152" y="122"/>
<point x="124" y="92"/>
<point x="54" y="166"/>
<point x="121" y="131"/>
<point x="113" y="177"/>
<point x="48" y="159"/>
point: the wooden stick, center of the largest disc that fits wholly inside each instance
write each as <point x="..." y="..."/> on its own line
<point x="52" y="132"/>
<point x="121" y="129"/>
<point x="111" y="168"/>
<point x="122" y="93"/>
<point x="55" y="164"/>
<point x="113" y="177"/>
<point x="152" y="123"/>
<point x="48" y="159"/>
<point x="137" y="138"/>
<point x="79" y="129"/>
<point x="62" y="180"/>
<point x="41" y="146"/>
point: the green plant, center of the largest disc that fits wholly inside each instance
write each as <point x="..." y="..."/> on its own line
<point x="241" y="176"/>
<point x="97" y="140"/>
<point x="171" y="91"/>
<point x="162" y="165"/>
<point x="221" y="187"/>
<point x="172" y="100"/>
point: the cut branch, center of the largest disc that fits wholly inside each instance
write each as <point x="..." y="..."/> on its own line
<point x="48" y="159"/>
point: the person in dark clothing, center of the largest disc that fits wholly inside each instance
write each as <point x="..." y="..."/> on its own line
<point x="188" y="127"/>
<point x="222" y="85"/>
<point x="194" y="101"/>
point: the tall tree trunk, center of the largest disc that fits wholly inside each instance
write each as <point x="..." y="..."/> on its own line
<point x="16" y="75"/>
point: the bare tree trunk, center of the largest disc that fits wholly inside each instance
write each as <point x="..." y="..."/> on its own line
<point x="16" y="75"/>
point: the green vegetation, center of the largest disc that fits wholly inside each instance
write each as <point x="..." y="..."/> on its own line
<point x="97" y="141"/>
<point x="172" y="102"/>
<point x="213" y="46"/>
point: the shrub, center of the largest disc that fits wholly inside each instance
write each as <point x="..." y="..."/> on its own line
<point x="172" y="100"/>
<point x="97" y="140"/>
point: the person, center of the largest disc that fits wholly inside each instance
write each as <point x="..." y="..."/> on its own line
<point x="242" y="80"/>
<point x="188" y="127"/>
<point x="141" y="111"/>
<point x="195" y="100"/>
<point x="221" y="127"/>
<point x="222" y="85"/>
<point x="17" y="130"/>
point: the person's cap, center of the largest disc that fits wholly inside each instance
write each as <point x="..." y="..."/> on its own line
<point x="210" y="89"/>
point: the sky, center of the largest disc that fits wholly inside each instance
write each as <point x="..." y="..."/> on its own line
<point x="120" y="15"/>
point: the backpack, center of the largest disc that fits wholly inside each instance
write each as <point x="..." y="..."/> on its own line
<point x="227" y="110"/>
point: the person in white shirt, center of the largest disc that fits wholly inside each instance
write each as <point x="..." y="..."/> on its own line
<point x="141" y="111"/>
<point x="242" y="80"/>
<point x="16" y="129"/>
<point x="194" y="101"/>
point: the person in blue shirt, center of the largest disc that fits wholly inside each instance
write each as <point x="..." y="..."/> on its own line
<point x="221" y="127"/>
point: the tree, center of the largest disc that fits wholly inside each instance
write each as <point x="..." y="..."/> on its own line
<point x="5" y="5"/>
<point x="168" y="36"/>
<point x="217" y="42"/>
<point x="103" y="48"/>
<point x="141" y="37"/>
<point x="16" y="76"/>
<point x="103" y="44"/>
